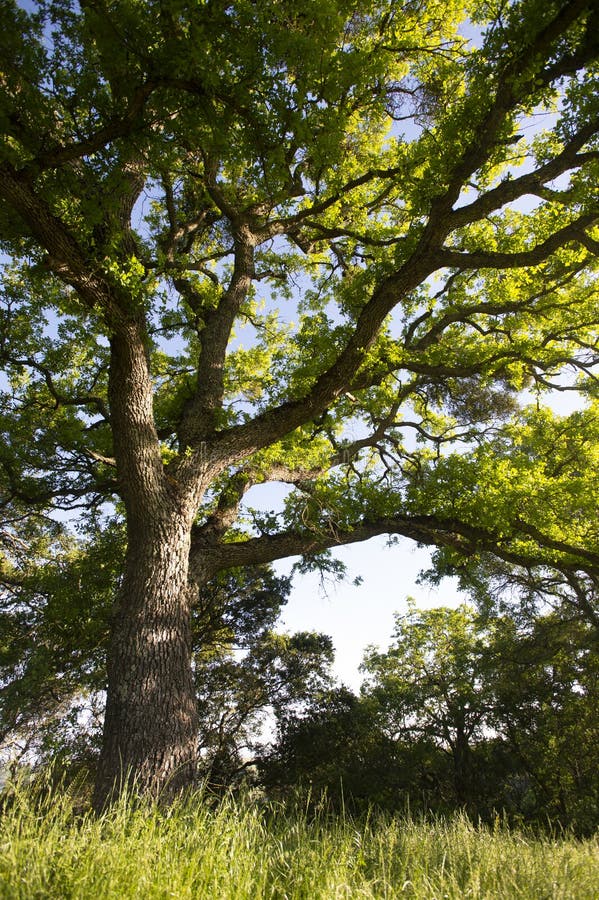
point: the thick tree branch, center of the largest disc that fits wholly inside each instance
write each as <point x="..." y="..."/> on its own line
<point x="518" y="77"/>
<point x="66" y="258"/>
<point x="118" y="127"/>
<point x="274" y="424"/>
<point x="199" y="415"/>
<point x="574" y="233"/>
<point x="429" y="530"/>
<point x="463" y="313"/>
<point x="98" y="457"/>
<point x="562" y="546"/>
<point x="513" y="189"/>
<point x="427" y="258"/>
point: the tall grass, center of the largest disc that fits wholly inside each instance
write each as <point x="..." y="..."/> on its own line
<point x="239" y="850"/>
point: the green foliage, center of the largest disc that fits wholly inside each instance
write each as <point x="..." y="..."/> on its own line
<point x="56" y="603"/>
<point x="485" y="715"/>
<point x="307" y="149"/>
<point x="529" y="497"/>
<point x="335" y="749"/>
<point x="328" y="244"/>
<point x="246" y="672"/>
<point x="545" y="683"/>
<point x="432" y="685"/>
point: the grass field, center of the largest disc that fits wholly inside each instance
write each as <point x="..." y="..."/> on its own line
<point x="244" y="850"/>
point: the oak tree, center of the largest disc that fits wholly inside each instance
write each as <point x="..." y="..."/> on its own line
<point x="316" y="244"/>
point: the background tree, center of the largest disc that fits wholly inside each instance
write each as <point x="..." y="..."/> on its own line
<point x="344" y="181"/>
<point x="252" y="673"/>
<point x="334" y="750"/>
<point x="496" y="716"/>
<point x="55" y="600"/>
<point x="545" y="688"/>
<point x="431" y="685"/>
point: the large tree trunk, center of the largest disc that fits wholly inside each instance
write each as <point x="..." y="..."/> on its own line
<point x="150" y="729"/>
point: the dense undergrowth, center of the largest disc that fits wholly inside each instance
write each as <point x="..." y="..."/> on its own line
<point x="51" y="847"/>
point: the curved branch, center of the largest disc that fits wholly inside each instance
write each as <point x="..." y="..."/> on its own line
<point x="518" y="79"/>
<point x="66" y="257"/>
<point x="118" y="127"/>
<point x="273" y="424"/>
<point x="462" y="313"/>
<point x="59" y="398"/>
<point x="198" y="417"/>
<point x="515" y="188"/>
<point x="429" y="530"/>
<point x="574" y="233"/>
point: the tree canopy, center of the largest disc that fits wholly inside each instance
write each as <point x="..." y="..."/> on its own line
<point x="327" y="246"/>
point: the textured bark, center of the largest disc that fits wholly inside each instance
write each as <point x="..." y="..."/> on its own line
<point x="150" y="729"/>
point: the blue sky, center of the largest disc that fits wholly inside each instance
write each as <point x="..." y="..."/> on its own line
<point x="356" y="616"/>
